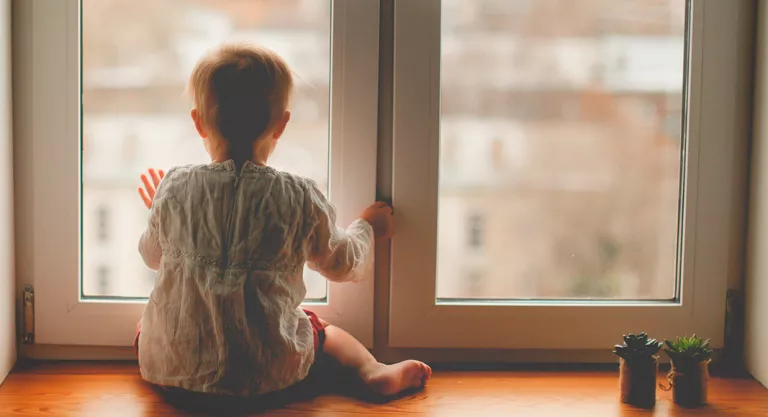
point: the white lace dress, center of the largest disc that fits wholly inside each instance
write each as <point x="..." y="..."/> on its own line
<point x="224" y="315"/>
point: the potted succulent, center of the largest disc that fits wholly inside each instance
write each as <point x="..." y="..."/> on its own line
<point x="638" y="367"/>
<point x="689" y="375"/>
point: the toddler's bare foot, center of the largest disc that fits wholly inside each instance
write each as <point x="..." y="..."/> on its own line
<point x="392" y="379"/>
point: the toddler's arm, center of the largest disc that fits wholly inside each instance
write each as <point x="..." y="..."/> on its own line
<point x="339" y="255"/>
<point x="149" y="243"/>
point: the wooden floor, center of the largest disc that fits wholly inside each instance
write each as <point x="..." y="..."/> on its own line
<point x="115" y="389"/>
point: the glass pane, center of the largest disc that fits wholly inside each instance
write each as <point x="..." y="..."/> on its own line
<point x="560" y="148"/>
<point x="136" y="115"/>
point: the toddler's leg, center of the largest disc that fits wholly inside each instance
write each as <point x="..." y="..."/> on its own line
<point x="381" y="378"/>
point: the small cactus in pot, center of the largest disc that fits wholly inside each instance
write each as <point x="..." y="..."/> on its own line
<point x="638" y="367"/>
<point x="689" y="375"/>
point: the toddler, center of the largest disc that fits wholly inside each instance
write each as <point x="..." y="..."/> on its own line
<point x="230" y="239"/>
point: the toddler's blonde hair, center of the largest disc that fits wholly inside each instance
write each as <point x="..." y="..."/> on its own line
<point x="239" y="90"/>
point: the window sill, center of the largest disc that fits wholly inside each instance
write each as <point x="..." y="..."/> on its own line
<point x="77" y="388"/>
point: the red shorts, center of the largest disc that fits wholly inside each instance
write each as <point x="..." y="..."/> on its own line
<point x="318" y="330"/>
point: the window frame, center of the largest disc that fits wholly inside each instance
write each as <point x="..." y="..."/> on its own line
<point x="711" y="207"/>
<point x="48" y="190"/>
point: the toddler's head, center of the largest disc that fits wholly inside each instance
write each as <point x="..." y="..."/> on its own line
<point x="241" y="95"/>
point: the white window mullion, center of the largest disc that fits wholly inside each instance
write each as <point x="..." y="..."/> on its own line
<point x="354" y="115"/>
<point x="415" y="168"/>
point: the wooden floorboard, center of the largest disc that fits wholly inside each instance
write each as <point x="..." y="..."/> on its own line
<point x="115" y="389"/>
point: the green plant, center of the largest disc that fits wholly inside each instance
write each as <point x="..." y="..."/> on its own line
<point x="688" y="351"/>
<point x="637" y="348"/>
<point x="688" y="377"/>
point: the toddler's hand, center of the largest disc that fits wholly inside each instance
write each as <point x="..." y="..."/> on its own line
<point x="148" y="192"/>
<point x="379" y="215"/>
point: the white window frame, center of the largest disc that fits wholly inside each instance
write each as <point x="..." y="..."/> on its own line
<point x="49" y="187"/>
<point x="417" y="320"/>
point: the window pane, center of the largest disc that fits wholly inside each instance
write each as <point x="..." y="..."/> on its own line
<point x="136" y="115"/>
<point x="560" y="148"/>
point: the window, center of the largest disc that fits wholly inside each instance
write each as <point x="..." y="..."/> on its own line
<point x="130" y="149"/>
<point x="85" y="146"/>
<point x="474" y="285"/>
<point x="538" y="187"/>
<point x="585" y="175"/>
<point x="126" y="77"/>
<point x="616" y="214"/>
<point x="497" y="156"/>
<point x="102" y="224"/>
<point x="621" y="63"/>
<point x="476" y="232"/>
<point x="103" y="280"/>
<point x="151" y="278"/>
<point x="129" y="77"/>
